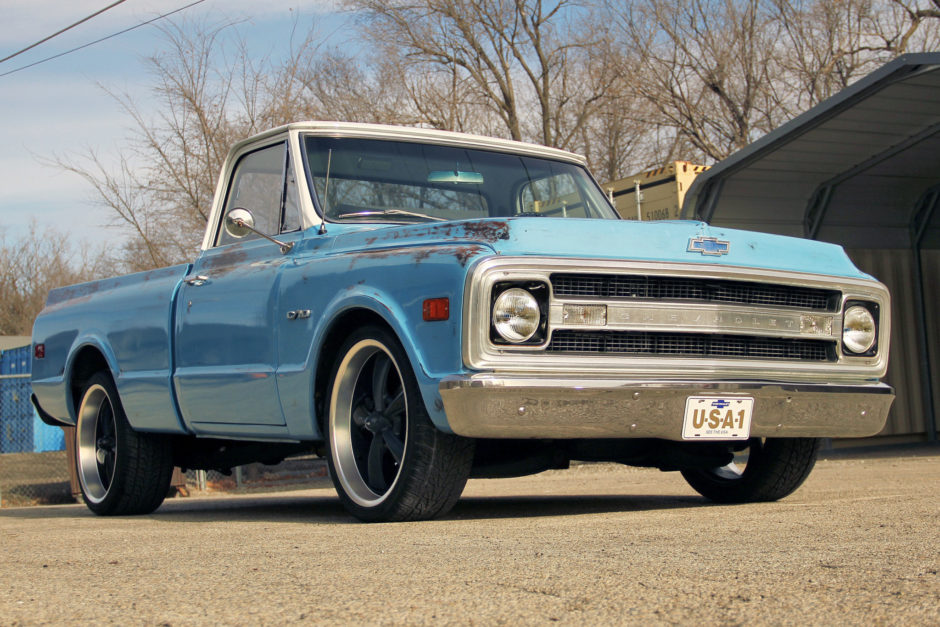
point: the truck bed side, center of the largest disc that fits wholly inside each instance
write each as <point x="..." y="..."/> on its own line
<point x="124" y="320"/>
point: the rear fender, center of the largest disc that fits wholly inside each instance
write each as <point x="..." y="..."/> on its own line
<point x="92" y="339"/>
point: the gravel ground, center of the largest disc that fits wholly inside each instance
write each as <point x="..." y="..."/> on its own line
<point x="857" y="544"/>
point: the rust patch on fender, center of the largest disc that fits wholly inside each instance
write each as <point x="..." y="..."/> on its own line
<point x="228" y="258"/>
<point x="74" y="293"/>
<point x="465" y="253"/>
<point x="417" y="254"/>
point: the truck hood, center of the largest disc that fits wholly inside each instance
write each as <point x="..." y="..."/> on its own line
<point x="681" y="241"/>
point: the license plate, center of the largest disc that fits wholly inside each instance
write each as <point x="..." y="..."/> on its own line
<point x="717" y="418"/>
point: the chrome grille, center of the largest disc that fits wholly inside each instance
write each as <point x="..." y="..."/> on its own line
<point x="643" y="287"/>
<point x="690" y="345"/>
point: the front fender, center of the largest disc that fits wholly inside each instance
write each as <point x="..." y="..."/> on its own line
<point x="391" y="284"/>
<point x="402" y="322"/>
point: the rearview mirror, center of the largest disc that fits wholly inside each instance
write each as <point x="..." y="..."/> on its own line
<point x="453" y="176"/>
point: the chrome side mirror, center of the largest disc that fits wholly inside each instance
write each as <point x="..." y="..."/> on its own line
<point x="239" y="223"/>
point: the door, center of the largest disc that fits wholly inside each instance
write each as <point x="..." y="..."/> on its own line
<point x="226" y="354"/>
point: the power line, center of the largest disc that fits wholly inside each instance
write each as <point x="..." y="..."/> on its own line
<point x="57" y="33"/>
<point x="97" y="41"/>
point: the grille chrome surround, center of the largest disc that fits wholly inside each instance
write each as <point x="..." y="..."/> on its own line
<point x="735" y="320"/>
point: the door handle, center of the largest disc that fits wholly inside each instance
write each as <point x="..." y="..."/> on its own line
<point x="196" y="279"/>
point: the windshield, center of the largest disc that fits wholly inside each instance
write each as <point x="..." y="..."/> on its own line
<point x="369" y="180"/>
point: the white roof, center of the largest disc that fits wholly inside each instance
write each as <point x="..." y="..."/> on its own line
<point x="406" y="133"/>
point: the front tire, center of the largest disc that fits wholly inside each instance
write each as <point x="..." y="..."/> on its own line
<point x="387" y="460"/>
<point x="120" y="471"/>
<point x="774" y="468"/>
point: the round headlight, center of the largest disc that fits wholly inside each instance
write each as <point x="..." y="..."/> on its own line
<point x="516" y="315"/>
<point x="858" y="330"/>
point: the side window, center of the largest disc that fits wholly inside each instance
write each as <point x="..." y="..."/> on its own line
<point x="259" y="185"/>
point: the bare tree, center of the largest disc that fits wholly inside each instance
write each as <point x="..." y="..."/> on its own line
<point x="350" y="89"/>
<point x="522" y="58"/>
<point x="205" y="96"/>
<point x="826" y="46"/>
<point x="33" y="265"/>
<point x="722" y="73"/>
<point x="706" y="68"/>
<point x="630" y="85"/>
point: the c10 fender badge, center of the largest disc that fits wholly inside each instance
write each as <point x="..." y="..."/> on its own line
<point x="708" y="246"/>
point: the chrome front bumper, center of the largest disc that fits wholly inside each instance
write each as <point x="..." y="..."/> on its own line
<point x="507" y="406"/>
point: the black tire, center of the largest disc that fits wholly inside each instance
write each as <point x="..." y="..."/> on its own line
<point x="121" y="472"/>
<point x="775" y="468"/>
<point x="386" y="458"/>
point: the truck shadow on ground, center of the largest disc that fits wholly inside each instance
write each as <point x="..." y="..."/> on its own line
<point x="329" y="510"/>
<point x="483" y="508"/>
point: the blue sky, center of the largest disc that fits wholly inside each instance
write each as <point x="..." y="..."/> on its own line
<point x="60" y="108"/>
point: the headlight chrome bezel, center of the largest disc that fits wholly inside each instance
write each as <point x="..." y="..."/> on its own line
<point x="537" y="295"/>
<point x="860" y="317"/>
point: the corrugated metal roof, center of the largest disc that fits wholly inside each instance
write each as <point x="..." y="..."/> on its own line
<point x="858" y="169"/>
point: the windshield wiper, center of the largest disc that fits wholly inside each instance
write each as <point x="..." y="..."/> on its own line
<point x="389" y="212"/>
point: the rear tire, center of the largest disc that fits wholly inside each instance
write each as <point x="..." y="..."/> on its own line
<point x="387" y="459"/>
<point x="120" y="471"/>
<point x="775" y="468"/>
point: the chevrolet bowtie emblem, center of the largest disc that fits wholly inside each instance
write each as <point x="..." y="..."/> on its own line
<point x="708" y="246"/>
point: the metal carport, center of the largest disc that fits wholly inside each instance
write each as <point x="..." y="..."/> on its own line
<point x="861" y="169"/>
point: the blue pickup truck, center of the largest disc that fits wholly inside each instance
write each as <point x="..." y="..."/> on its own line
<point x="421" y="307"/>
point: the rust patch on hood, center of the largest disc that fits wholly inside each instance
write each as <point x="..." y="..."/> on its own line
<point x="487" y="231"/>
<point x="484" y="231"/>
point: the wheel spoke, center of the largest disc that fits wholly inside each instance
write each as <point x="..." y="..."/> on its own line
<point x="376" y="460"/>
<point x="105" y="444"/>
<point x="394" y="444"/>
<point x="382" y="365"/>
<point x="396" y="404"/>
<point x="106" y="468"/>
